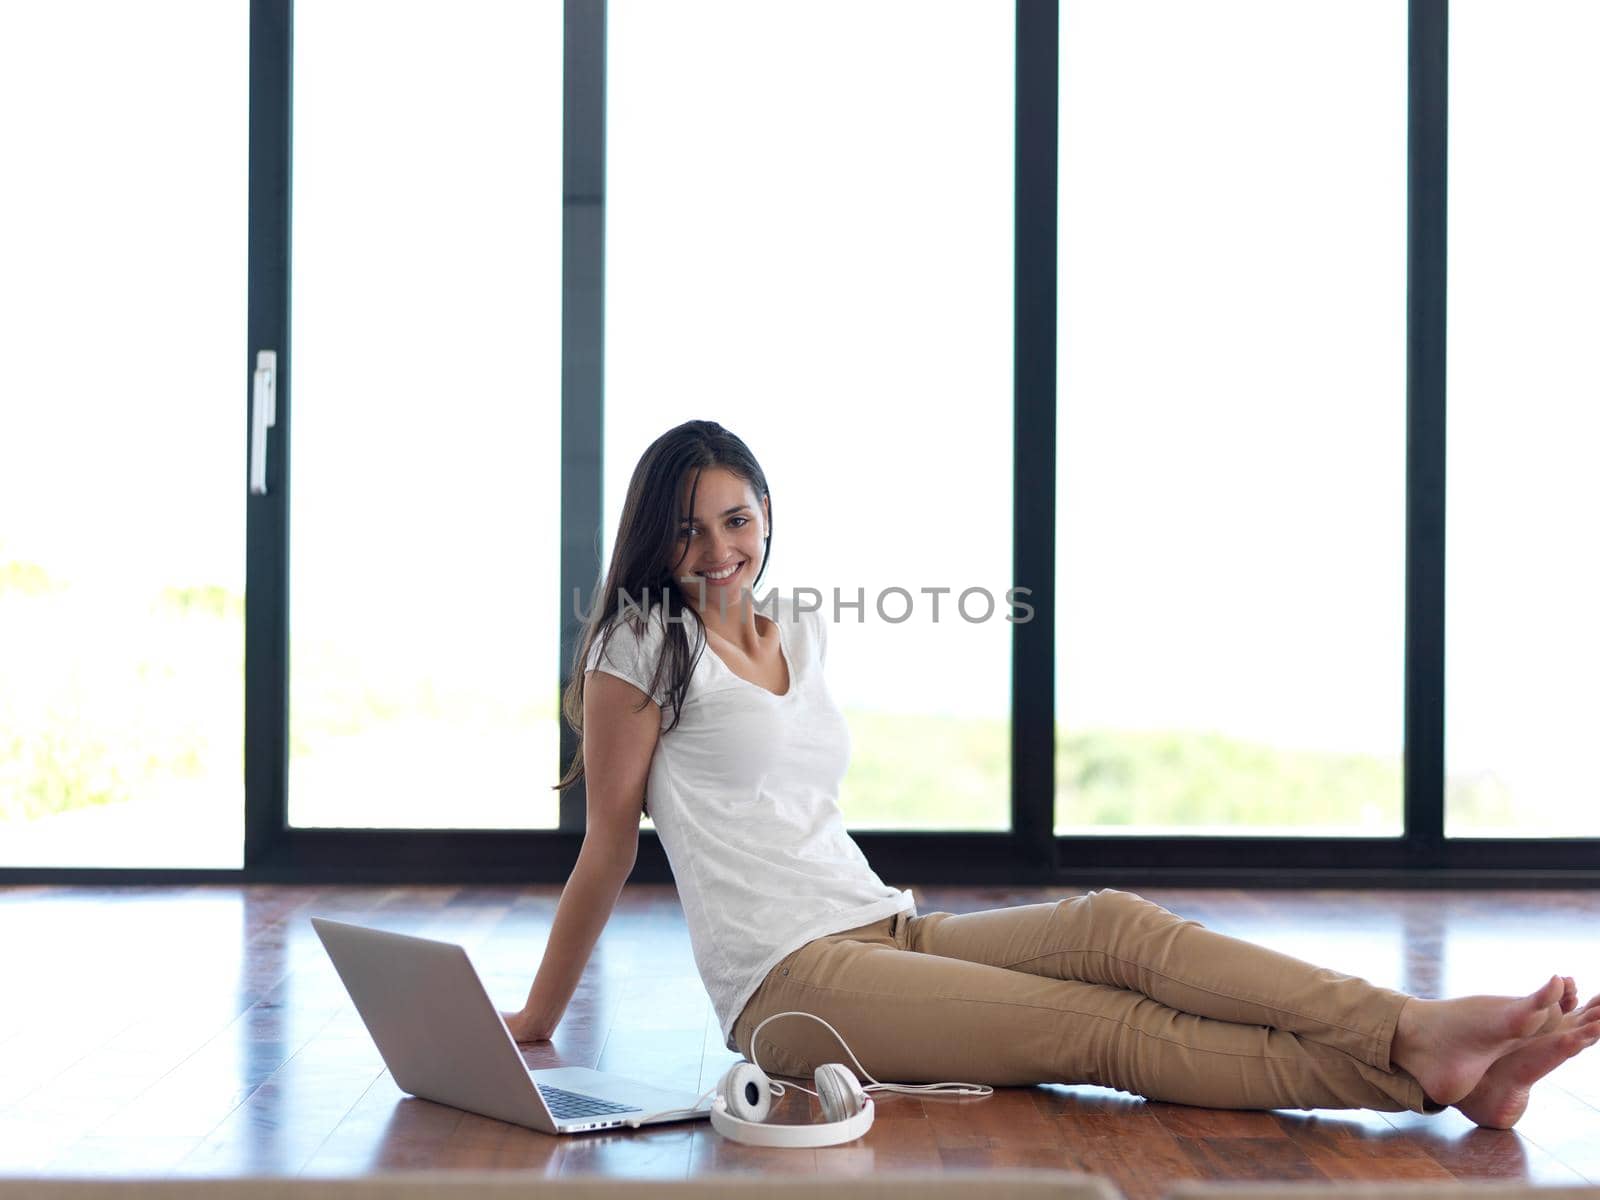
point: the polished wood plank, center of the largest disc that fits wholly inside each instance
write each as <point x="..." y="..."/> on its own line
<point x="202" y="1031"/>
<point x="1359" y="1146"/>
<point x="1468" y="1152"/>
<point x="1252" y="1159"/>
<point x="1186" y="1122"/>
<point x="1565" y="1127"/>
<point x="1143" y="1166"/>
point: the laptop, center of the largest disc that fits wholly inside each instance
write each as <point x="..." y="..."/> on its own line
<point x="443" y="1040"/>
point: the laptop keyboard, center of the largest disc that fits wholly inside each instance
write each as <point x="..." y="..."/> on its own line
<point x="571" y="1104"/>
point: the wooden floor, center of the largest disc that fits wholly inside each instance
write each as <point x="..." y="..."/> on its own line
<point x="202" y="1031"/>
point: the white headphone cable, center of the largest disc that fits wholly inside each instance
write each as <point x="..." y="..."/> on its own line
<point x="934" y="1089"/>
<point x="782" y="1089"/>
<point x="692" y="1107"/>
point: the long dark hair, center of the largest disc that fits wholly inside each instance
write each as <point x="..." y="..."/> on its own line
<point x="645" y="559"/>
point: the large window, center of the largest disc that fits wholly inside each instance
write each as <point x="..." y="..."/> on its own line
<point x="1523" y="584"/>
<point x="1230" y="589"/>
<point x="809" y="240"/>
<point x="426" y="396"/>
<point x="1155" y="292"/>
<point x="122" y="321"/>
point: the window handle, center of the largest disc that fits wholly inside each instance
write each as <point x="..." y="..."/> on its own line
<point x="263" y="415"/>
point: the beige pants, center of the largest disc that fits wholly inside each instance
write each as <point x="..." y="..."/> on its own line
<point x="1106" y="989"/>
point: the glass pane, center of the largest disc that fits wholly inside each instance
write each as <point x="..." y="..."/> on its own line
<point x="826" y="271"/>
<point x="1231" y="512"/>
<point x="1522" y="647"/>
<point x="122" y="421"/>
<point x="426" y="389"/>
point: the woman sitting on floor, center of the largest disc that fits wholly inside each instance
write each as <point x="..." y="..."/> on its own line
<point x="717" y="717"/>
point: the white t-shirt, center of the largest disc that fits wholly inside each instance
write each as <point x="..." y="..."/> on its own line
<point x="744" y="795"/>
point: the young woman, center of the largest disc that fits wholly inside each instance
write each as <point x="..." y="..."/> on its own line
<point x="704" y="705"/>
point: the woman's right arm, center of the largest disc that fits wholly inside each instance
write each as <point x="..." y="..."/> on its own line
<point x="618" y="744"/>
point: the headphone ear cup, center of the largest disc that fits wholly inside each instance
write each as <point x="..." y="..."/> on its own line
<point x="746" y="1092"/>
<point x="839" y="1090"/>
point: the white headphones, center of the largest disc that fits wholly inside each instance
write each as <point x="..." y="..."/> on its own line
<point x="744" y="1100"/>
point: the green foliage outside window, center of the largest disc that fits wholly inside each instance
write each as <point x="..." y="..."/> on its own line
<point x="166" y="703"/>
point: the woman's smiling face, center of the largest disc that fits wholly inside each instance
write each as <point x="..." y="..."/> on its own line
<point x="727" y="530"/>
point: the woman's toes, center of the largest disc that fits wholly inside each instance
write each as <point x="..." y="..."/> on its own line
<point x="1550" y="993"/>
<point x="1530" y="1017"/>
<point x="1568" y="1013"/>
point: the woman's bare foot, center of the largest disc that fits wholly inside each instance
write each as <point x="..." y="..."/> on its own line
<point x="1448" y="1045"/>
<point x="1501" y="1096"/>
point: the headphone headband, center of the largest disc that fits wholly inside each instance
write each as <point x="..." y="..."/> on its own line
<point x="760" y="1133"/>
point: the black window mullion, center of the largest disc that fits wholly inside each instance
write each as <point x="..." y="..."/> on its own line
<point x="1427" y="161"/>
<point x="266" y="641"/>
<point x="583" y="170"/>
<point x="1034" y="435"/>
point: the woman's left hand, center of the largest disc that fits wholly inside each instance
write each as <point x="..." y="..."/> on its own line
<point x="522" y="1029"/>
